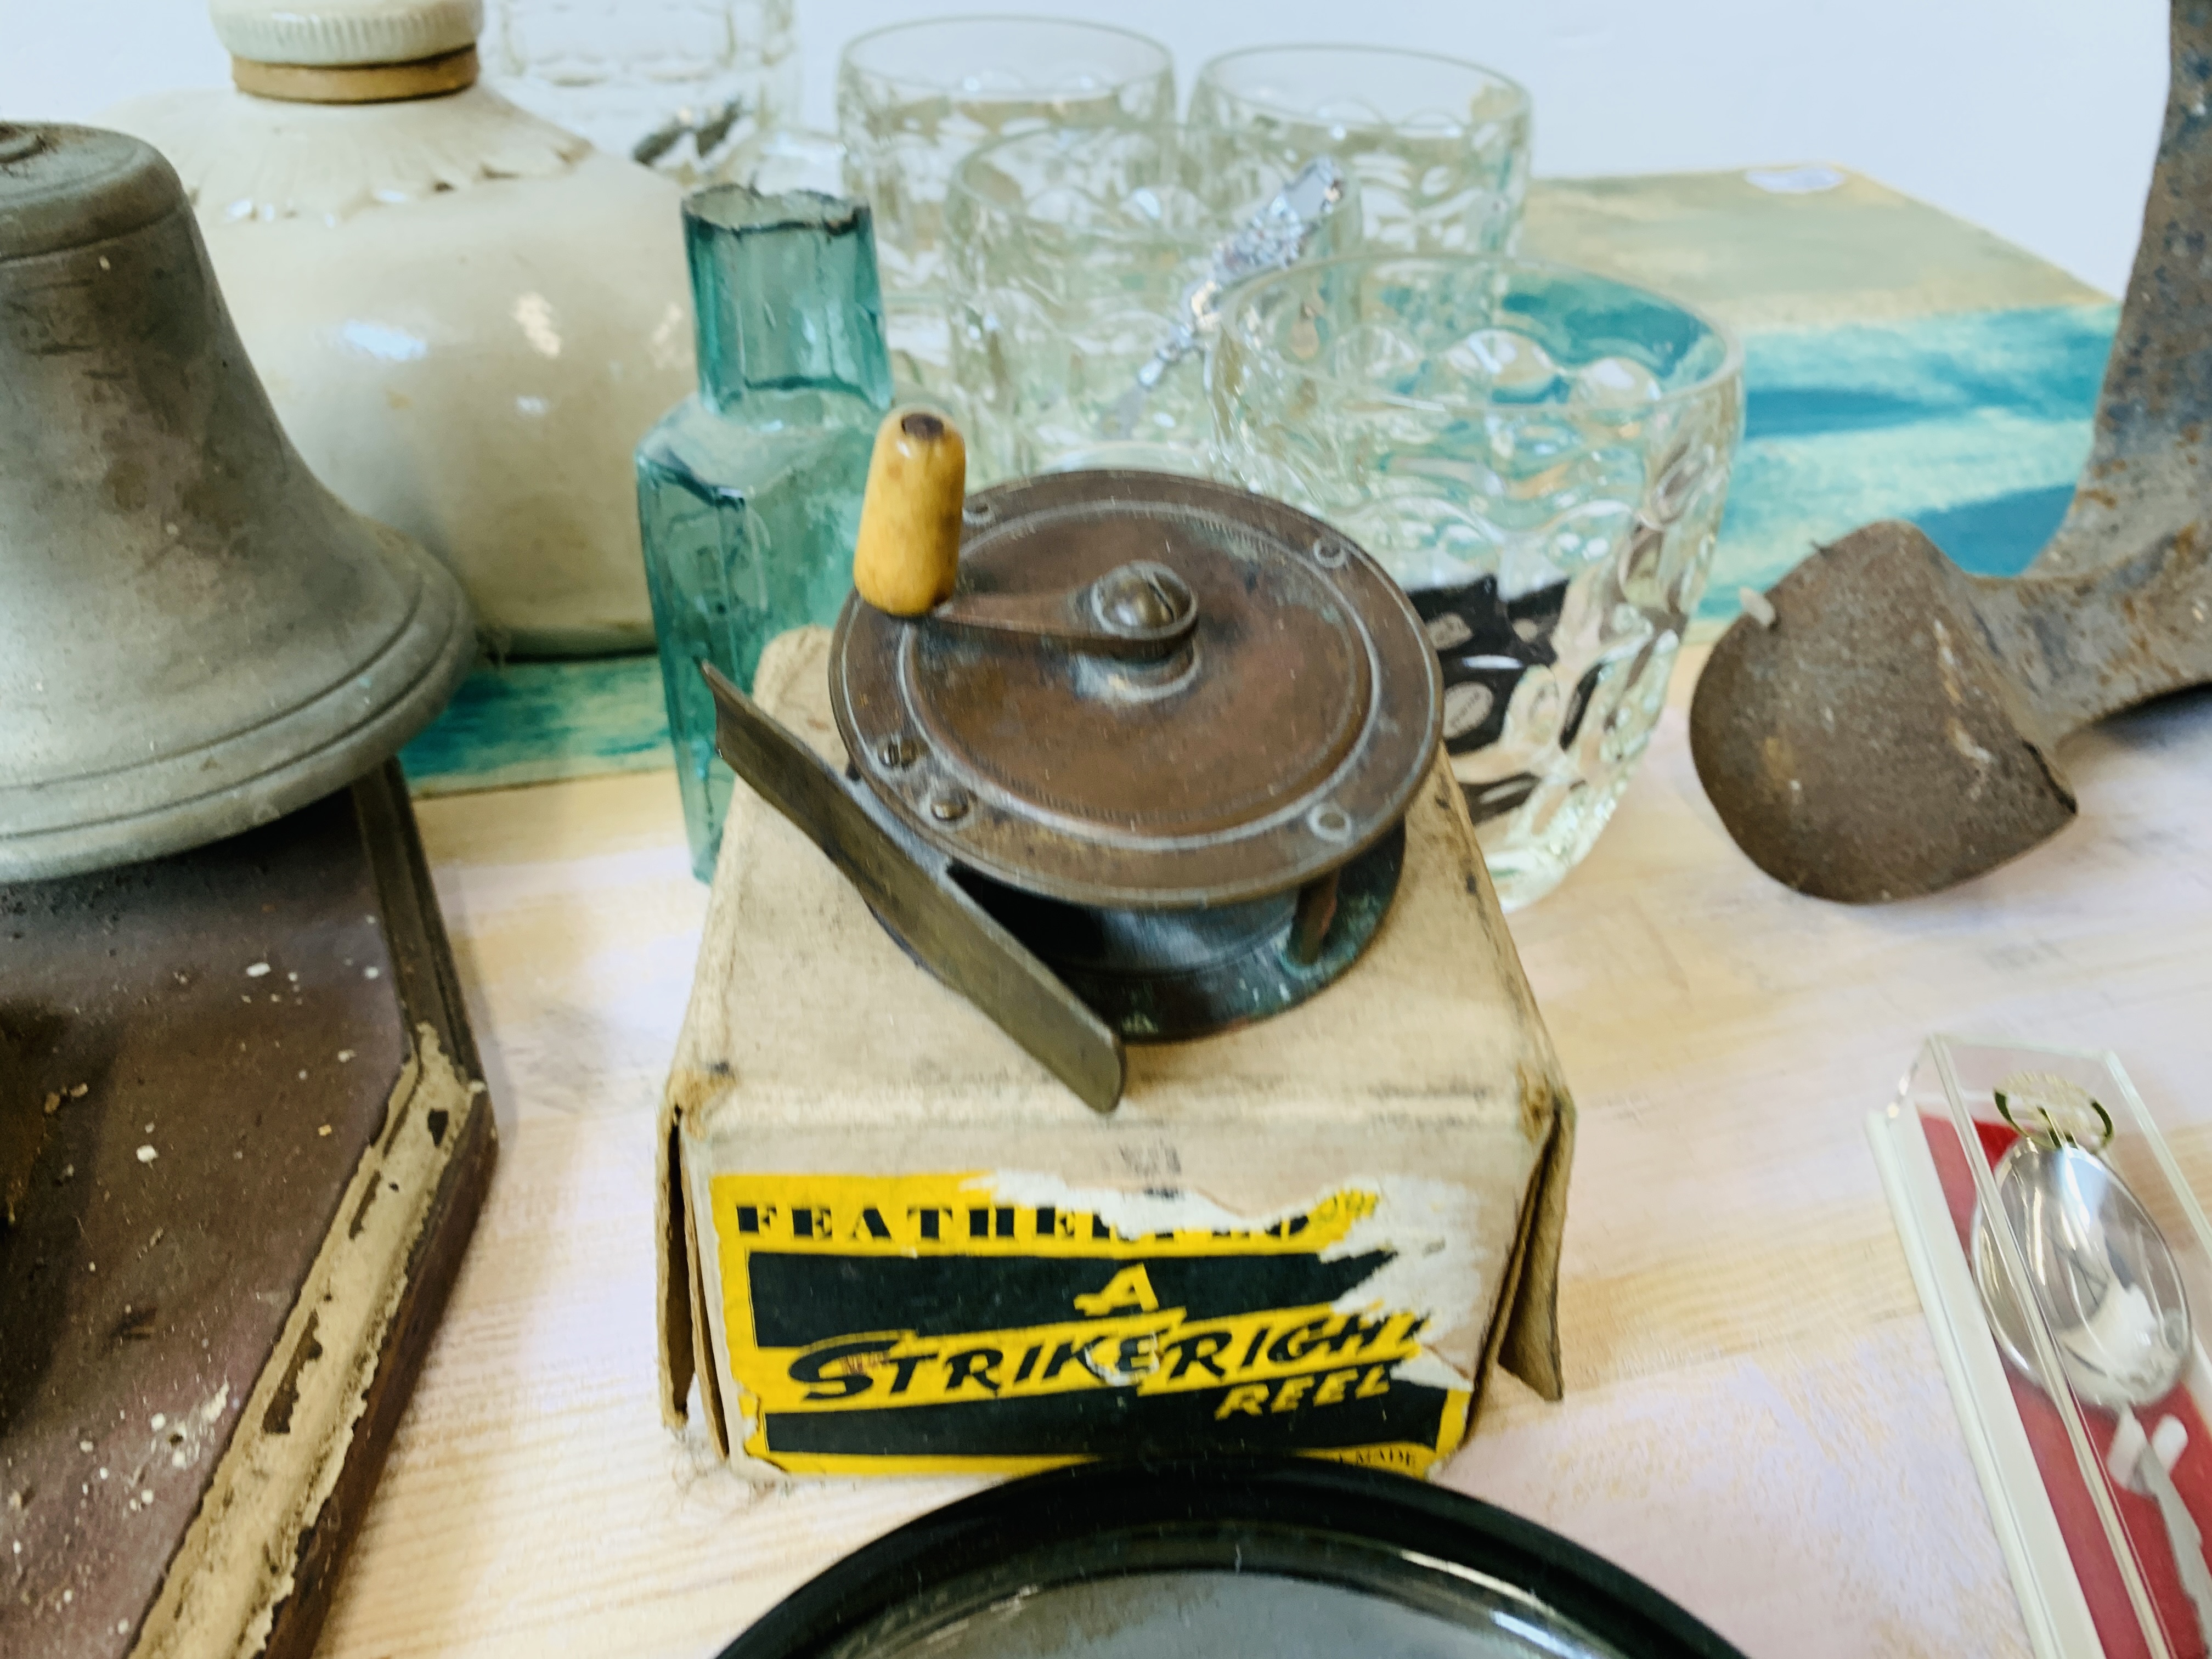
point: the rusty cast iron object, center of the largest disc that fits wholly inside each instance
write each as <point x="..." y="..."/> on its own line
<point x="1142" y="776"/>
<point x="1893" y="727"/>
<point x="1908" y="716"/>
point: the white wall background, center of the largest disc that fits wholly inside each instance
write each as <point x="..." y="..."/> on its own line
<point x="2036" y="118"/>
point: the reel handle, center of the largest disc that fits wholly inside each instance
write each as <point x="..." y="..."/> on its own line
<point x="907" y="557"/>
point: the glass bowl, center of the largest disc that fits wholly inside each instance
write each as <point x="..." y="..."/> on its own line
<point x="1540" y="455"/>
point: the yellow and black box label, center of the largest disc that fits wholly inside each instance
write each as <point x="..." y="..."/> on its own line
<point x="930" y="1323"/>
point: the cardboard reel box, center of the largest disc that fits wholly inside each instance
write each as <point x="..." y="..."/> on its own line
<point x="892" y="1244"/>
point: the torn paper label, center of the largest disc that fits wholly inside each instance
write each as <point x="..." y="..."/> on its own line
<point x="1004" y="1322"/>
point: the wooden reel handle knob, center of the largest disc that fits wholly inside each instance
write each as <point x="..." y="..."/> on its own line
<point x="908" y="555"/>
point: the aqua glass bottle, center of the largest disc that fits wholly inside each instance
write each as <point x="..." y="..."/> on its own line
<point x="749" y="493"/>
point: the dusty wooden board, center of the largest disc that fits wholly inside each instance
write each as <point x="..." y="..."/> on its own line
<point x="1754" y="1419"/>
<point x="260" y="1169"/>
<point x="1899" y="363"/>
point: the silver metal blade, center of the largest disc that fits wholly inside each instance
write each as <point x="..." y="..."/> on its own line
<point x="911" y="889"/>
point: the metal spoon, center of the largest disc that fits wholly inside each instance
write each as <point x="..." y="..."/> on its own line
<point x="1275" y="238"/>
<point x="2112" y="1300"/>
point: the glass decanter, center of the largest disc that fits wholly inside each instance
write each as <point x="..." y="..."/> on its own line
<point x="749" y="492"/>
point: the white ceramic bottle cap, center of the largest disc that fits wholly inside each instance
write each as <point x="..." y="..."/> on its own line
<point x="343" y="34"/>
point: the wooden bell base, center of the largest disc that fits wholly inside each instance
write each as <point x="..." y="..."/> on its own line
<point x="237" y="1095"/>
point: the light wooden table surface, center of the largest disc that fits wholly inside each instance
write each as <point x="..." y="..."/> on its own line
<point x="1754" y="1420"/>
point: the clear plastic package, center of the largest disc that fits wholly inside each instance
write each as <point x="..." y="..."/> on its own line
<point x="2066" y="1267"/>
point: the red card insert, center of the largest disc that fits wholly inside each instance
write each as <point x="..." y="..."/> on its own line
<point x="2093" y="1562"/>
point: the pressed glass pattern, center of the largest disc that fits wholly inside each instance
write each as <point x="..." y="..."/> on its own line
<point x="915" y="99"/>
<point x="1541" y="456"/>
<point x="1440" y="147"/>
<point x="1072" y="253"/>
<point x="681" y="84"/>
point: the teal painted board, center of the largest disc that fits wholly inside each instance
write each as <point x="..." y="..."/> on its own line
<point x="533" y="722"/>
<point x="1898" y="363"/>
<point x="1972" y="425"/>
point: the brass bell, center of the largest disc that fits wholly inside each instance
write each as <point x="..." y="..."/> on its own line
<point x="195" y="636"/>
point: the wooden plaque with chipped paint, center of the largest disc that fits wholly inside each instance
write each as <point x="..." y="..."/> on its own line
<point x="242" y="1150"/>
<point x="892" y="1244"/>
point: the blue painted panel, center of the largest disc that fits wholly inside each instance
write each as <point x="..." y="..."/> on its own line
<point x="531" y="722"/>
<point x="1987" y="537"/>
<point x="2042" y="364"/>
<point x="1974" y="425"/>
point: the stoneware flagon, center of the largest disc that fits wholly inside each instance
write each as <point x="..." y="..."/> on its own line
<point x="195" y="634"/>
<point x="464" y="315"/>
